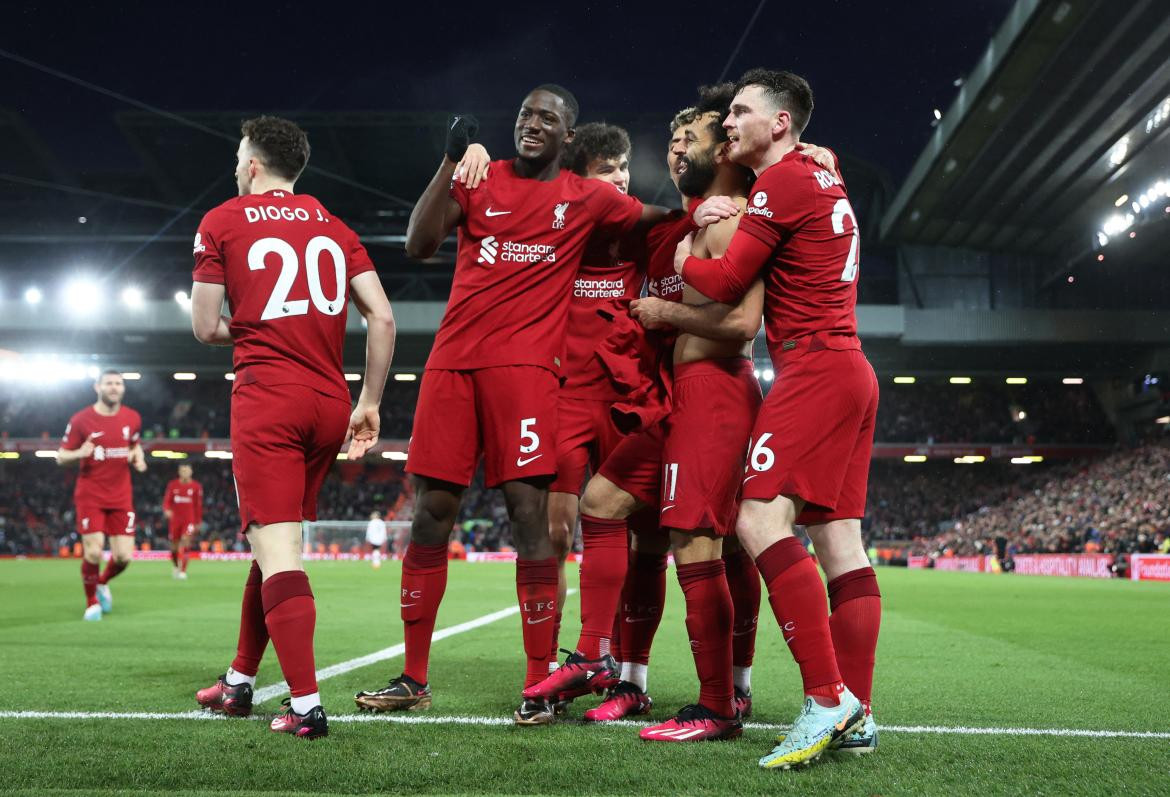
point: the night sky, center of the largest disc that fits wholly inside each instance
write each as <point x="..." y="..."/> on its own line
<point x="877" y="70"/>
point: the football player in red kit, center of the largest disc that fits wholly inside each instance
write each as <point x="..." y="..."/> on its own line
<point x="183" y="507"/>
<point x="288" y="268"/>
<point x="103" y="440"/>
<point x="689" y="464"/>
<point x="811" y="444"/>
<point x="490" y="386"/>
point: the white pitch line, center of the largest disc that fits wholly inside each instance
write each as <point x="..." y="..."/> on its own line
<point x="276" y="690"/>
<point x="425" y="719"/>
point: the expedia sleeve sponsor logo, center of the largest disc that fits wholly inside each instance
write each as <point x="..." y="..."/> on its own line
<point x="599" y="288"/>
<point x="759" y="204"/>
<point x="491" y="250"/>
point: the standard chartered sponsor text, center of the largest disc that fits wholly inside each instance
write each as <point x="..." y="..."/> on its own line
<point x="599" y="288"/>
<point x="527" y="253"/>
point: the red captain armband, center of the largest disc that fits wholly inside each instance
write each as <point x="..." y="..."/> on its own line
<point x="728" y="278"/>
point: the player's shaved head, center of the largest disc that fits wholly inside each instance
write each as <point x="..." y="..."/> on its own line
<point x="784" y="91"/>
<point x="279" y="144"/>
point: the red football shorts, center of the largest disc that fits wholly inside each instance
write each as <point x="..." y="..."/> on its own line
<point x="178" y="530"/>
<point x="636" y="464"/>
<point x="813" y="437"/>
<point x="585" y="438"/>
<point x="111" y="522"/>
<point x="714" y="405"/>
<point x="284" y="438"/>
<point x="507" y="415"/>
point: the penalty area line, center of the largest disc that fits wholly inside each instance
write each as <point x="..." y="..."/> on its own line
<point x="422" y="719"/>
<point x="276" y="690"/>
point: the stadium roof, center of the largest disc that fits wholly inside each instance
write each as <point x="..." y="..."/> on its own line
<point x="1067" y="111"/>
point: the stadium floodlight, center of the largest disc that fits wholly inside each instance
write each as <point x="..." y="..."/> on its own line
<point x="1121" y="200"/>
<point x="970" y="459"/>
<point x="904" y="380"/>
<point x="960" y="380"/>
<point x="9" y="455"/>
<point x="131" y="376"/>
<point x="184" y="300"/>
<point x="82" y="295"/>
<point x="163" y="453"/>
<point x="184" y="376"/>
<point x="768" y="375"/>
<point x="1119" y="151"/>
<point x="405" y="377"/>
<point x="1016" y="380"/>
<point x="47" y="453"/>
<point x="353" y="377"/>
<point x="132" y="297"/>
<point x="229" y="376"/>
<point x="1028" y="460"/>
<point x="33" y="295"/>
<point x="1073" y="380"/>
<point x="1163" y="419"/>
<point x="937" y="115"/>
<point x="757" y="373"/>
<point x="397" y="456"/>
<point x="914" y="458"/>
<point x="341" y="455"/>
<point x="216" y="454"/>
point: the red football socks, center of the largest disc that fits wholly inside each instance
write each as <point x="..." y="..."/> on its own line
<point x="424" y="580"/>
<point x="857" y="615"/>
<point x="184" y="555"/>
<point x="798" y="600"/>
<point x="642" y="600"/>
<point x="603" y="572"/>
<point x="536" y="589"/>
<point x="253" y="630"/>
<point x="291" y="617"/>
<point x="709" y="626"/>
<point x="743" y="580"/>
<point x="174" y="557"/>
<point x="90" y="573"/>
<point x="113" y="568"/>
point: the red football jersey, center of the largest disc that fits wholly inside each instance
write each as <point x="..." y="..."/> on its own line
<point x="803" y="234"/>
<point x="185" y="502"/>
<point x="608" y="282"/>
<point x="285" y="263"/>
<point x="661" y="241"/>
<point x="520" y="245"/>
<point x="103" y="480"/>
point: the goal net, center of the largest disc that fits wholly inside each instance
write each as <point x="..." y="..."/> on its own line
<point x="349" y="536"/>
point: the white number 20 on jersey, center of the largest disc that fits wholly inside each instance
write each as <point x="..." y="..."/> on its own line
<point x="278" y="305"/>
<point x="840" y="211"/>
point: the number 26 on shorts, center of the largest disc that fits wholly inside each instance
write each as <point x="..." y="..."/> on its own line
<point x="761" y="458"/>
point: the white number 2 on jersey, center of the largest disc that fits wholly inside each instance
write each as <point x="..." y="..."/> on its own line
<point x="840" y="211"/>
<point x="278" y="305"/>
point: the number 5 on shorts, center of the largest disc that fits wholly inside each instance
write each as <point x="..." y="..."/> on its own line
<point x="529" y="439"/>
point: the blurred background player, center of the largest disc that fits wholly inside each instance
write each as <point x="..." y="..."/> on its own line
<point x="103" y="439"/>
<point x="183" y="507"/>
<point x="376" y="539"/>
<point x="288" y="269"/>
<point x="812" y="441"/>
<point x="490" y="386"/>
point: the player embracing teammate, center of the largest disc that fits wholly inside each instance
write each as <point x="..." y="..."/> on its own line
<point x="288" y="269"/>
<point x="808" y="461"/>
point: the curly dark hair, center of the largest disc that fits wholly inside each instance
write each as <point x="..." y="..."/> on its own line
<point x="594" y="140"/>
<point x="788" y="91"/>
<point x="281" y="145"/>
<point x="717" y="100"/>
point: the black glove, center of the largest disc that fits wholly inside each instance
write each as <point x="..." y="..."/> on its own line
<point x="460" y="131"/>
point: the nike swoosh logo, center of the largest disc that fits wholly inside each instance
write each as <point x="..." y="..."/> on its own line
<point x="668" y="506"/>
<point x="638" y="619"/>
<point x="407" y="605"/>
<point x="541" y="620"/>
<point x="520" y="462"/>
<point x="749" y="478"/>
<point x="490" y="212"/>
<point x="742" y="633"/>
<point x="842" y="724"/>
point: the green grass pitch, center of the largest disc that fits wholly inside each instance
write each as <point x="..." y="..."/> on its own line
<point x="957" y="650"/>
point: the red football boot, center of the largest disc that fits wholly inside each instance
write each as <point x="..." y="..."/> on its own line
<point x="694" y="724"/>
<point x="577" y="673"/>
<point x="624" y="700"/>
<point x="235" y="701"/>
<point x="743" y="702"/>
<point x="312" y="725"/>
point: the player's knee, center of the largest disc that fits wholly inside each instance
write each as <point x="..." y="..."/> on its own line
<point x="603" y="499"/>
<point x="561" y="537"/>
<point x="123" y="560"/>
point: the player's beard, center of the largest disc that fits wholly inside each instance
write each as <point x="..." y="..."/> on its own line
<point x="699" y="175"/>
